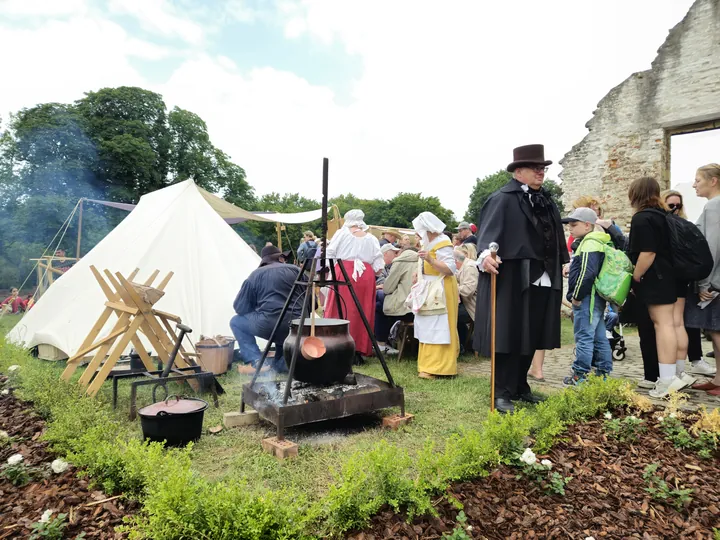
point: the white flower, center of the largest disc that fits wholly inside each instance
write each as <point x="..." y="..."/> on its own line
<point x="4" y="434"/>
<point x="15" y="459"/>
<point x="673" y="415"/>
<point x="13" y="367"/>
<point x="5" y="392"/>
<point x="46" y="516"/>
<point x="632" y="417"/>
<point x="608" y="415"/>
<point x="528" y="457"/>
<point x="546" y="463"/>
<point x="58" y="466"/>
<point x="589" y="538"/>
<point x="469" y="527"/>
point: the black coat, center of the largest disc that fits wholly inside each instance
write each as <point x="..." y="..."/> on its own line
<point x="506" y="218"/>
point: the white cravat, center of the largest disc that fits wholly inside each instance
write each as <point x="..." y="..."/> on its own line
<point x="542" y="281"/>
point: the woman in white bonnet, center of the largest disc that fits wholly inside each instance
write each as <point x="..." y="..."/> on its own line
<point x="361" y="257"/>
<point x="437" y="334"/>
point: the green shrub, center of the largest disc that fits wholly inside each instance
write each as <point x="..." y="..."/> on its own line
<point x="469" y="455"/>
<point x="129" y="466"/>
<point x="370" y="480"/>
<point x="184" y="506"/>
<point x="179" y="505"/>
<point x="575" y="404"/>
<point x="508" y="433"/>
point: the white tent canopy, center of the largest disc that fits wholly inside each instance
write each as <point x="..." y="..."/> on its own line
<point x="172" y="229"/>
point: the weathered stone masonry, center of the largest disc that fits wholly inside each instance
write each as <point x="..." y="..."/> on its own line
<point x="629" y="134"/>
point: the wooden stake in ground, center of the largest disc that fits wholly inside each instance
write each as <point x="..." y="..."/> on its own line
<point x="493" y="306"/>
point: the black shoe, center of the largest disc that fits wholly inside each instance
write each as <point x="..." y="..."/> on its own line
<point x="504" y="406"/>
<point x="359" y="360"/>
<point x="711" y="354"/>
<point x="530" y="398"/>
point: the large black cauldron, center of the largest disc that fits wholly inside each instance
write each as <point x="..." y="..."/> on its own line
<point x="337" y="361"/>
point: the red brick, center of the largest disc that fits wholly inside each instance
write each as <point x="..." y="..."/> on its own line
<point x="395" y="421"/>
<point x="280" y="449"/>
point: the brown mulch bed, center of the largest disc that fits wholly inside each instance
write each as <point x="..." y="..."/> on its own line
<point x="20" y="507"/>
<point x="606" y="497"/>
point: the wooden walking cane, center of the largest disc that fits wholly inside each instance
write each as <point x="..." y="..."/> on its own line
<point x="493" y="305"/>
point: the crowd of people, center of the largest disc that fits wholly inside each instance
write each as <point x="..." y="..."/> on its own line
<point x="440" y="282"/>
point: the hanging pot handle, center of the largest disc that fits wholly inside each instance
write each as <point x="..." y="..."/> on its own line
<point x="177" y="399"/>
<point x="154" y="391"/>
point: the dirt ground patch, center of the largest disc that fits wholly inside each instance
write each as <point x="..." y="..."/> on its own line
<point x="20" y="507"/>
<point x="606" y="497"/>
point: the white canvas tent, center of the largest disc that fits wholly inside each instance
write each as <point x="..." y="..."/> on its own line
<point x="172" y="229"/>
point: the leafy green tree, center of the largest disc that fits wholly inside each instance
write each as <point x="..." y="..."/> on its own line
<point x="482" y="190"/>
<point x="396" y="212"/>
<point x="194" y="156"/>
<point x="231" y="181"/>
<point x="405" y="207"/>
<point x="116" y="144"/>
<point x="52" y="152"/>
<point x="556" y="191"/>
<point x="258" y="233"/>
<point x="130" y="130"/>
<point x="491" y="183"/>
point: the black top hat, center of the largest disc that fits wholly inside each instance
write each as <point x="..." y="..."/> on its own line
<point x="271" y="254"/>
<point x="532" y="154"/>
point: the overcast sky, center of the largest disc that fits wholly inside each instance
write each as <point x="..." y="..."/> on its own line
<point x="408" y="95"/>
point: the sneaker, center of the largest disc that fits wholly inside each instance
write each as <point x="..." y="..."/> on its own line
<point x="603" y="374"/>
<point x="686" y="379"/>
<point x="388" y="350"/>
<point x="663" y="387"/>
<point x="701" y="367"/>
<point x="647" y="385"/>
<point x="574" y="379"/>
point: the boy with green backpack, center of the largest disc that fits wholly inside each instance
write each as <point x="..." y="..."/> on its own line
<point x="598" y="273"/>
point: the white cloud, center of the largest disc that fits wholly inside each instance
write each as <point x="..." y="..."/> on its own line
<point x="42" y="8"/>
<point x="447" y="90"/>
<point x="60" y="66"/>
<point x="160" y="16"/>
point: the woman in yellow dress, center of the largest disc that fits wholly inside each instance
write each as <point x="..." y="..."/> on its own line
<point x="437" y="334"/>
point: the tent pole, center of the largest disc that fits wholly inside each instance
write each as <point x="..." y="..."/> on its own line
<point x="79" y="236"/>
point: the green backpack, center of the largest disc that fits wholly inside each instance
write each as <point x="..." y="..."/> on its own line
<point x="615" y="277"/>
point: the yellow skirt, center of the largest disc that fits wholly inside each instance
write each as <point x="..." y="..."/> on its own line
<point x="442" y="359"/>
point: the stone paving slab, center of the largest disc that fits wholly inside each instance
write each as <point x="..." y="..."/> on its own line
<point x="558" y="362"/>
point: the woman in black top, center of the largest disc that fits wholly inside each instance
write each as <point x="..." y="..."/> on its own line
<point x="654" y="282"/>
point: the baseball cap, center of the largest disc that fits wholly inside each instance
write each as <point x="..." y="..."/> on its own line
<point x="388" y="247"/>
<point x="586" y="215"/>
<point x="463" y="225"/>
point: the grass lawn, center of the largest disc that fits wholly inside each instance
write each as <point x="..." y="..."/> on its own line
<point x="442" y="407"/>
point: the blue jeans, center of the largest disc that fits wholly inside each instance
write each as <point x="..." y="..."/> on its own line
<point x="245" y="328"/>
<point x="590" y="338"/>
<point x="611" y="321"/>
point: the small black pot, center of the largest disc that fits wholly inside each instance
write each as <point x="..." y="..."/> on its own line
<point x="176" y="421"/>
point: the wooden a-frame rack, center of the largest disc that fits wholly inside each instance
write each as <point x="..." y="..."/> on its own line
<point x="132" y="304"/>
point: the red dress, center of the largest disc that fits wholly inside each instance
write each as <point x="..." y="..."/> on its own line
<point x="16" y="304"/>
<point x="365" y="290"/>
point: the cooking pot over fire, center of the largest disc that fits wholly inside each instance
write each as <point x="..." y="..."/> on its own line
<point x="331" y="367"/>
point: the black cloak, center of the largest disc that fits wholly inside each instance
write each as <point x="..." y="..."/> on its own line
<point x="506" y="218"/>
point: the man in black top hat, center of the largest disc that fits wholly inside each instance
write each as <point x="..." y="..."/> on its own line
<point x="258" y="306"/>
<point x="524" y="221"/>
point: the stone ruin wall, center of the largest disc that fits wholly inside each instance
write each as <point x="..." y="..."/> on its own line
<point x="629" y="134"/>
